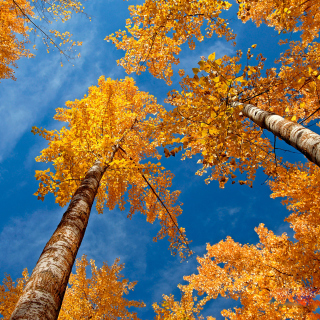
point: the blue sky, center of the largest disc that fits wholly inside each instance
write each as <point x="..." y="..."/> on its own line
<point x="209" y="214"/>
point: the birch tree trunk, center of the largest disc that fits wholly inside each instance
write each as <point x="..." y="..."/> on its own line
<point x="299" y="137"/>
<point x="43" y="294"/>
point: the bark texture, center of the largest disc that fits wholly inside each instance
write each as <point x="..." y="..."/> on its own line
<point x="299" y="137"/>
<point x="43" y="294"/>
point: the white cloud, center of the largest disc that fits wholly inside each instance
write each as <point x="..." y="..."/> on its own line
<point x="108" y="236"/>
<point x="173" y="273"/>
<point x="23" y="105"/>
<point x="112" y="235"/>
<point x="284" y="228"/>
<point x="23" y="239"/>
<point x="42" y="85"/>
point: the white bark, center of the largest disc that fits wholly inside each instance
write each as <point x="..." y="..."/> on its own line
<point x="299" y="137"/>
<point x="44" y="292"/>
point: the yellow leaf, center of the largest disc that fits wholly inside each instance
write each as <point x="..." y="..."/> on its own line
<point x="294" y="118"/>
<point x="213" y="131"/>
<point x="216" y="79"/>
<point x="195" y="70"/>
<point x="201" y="63"/>
<point x="238" y="68"/>
<point x="203" y="81"/>
<point x="212" y="56"/>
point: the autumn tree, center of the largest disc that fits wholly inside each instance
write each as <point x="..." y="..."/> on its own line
<point x="220" y="113"/>
<point x="275" y="279"/>
<point x="102" y="295"/>
<point x="211" y="111"/>
<point x="20" y="18"/>
<point x="150" y="43"/>
<point x="101" y="155"/>
<point x="186" y="308"/>
<point x="229" y="134"/>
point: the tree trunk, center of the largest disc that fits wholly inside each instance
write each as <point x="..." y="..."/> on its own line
<point x="43" y="294"/>
<point x="299" y="137"/>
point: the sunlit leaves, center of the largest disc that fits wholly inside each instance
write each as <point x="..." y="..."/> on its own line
<point x="102" y="295"/>
<point x="16" y="25"/>
<point x="10" y="292"/>
<point x="212" y="126"/>
<point x="284" y="16"/>
<point x="115" y="118"/>
<point x="275" y="279"/>
<point x="186" y="308"/>
<point x="148" y="41"/>
<point x="12" y="47"/>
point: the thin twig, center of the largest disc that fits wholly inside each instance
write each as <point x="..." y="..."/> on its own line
<point x="300" y="122"/>
<point x="160" y="200"/>
<point x="37" y="27"/>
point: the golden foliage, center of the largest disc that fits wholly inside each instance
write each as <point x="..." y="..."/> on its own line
<point x="299" y="186"/>
<point x="10" y="292"/>
<point x="284" y="16"/>
<point x="12" y="23"/>
<point x="211" y="126"/>
<point x="114" y="118"/>
<point x="205" y="121"/>
<point x="20" y="17"/>
<point x="100" y="296"/>
<point x="209" y="122"/>
<point x="275" y="279"/>
<point x="148" y="41"/>
<point x="187" y="308"/>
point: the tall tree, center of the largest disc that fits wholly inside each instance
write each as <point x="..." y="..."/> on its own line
<point x="214" y="120"/>
<point x="101" y="155"/>
<point x="19" y="18"/>
<point x="216" y="126"/>
<point x="102" y="295"/>
<point x="206" y="110"/>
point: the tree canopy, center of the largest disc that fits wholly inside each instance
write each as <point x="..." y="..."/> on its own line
<point x="101" y="295"/>
<point x="20" y="19"/>
<point x="208" y="120"/>
<point x="120" y="131"/>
